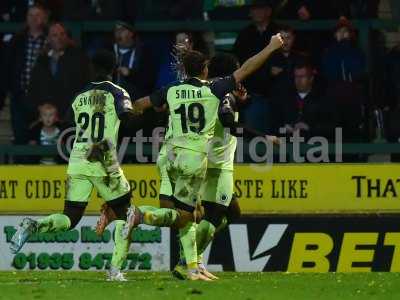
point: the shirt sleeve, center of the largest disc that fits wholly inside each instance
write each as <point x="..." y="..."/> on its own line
<point x="223" y="86"/>
<point x="159" y="97"/>
<point x="122" y="102"/>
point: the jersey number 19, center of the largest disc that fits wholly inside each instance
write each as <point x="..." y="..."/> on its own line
<point x="193" y="113"/>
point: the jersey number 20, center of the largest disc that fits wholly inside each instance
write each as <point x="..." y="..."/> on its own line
<point x="97" y="127"/>
<point x="194" y="114"/>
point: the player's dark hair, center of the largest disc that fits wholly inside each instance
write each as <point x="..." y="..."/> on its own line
<point x="103" y="63"/>
<point x="194" y="63"/>
<point x="222" y="65"/>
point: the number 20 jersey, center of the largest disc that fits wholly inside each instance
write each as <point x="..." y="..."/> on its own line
<point x="97" y="110"/>
<point x="193" y="106"/>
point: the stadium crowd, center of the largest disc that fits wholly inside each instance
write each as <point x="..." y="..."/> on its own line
<point x="318" y="82"/>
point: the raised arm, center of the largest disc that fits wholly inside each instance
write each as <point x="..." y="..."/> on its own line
<point x="255" y="62"/>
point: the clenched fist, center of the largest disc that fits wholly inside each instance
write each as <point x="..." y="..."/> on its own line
<point x="276" y="42"/>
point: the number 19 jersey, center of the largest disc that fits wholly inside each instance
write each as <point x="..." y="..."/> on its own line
<point x="97" y="110"/>
<point x="193" y="106"/>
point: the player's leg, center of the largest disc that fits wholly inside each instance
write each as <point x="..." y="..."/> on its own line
<point x="117" y="194"/>
<point x="79" y="189"/>
<point x="165" y="215"/>
<point x="217" y="195"/>
<point x="191" y="168"/>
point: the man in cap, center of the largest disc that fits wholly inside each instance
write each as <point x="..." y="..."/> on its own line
<point x="134" y="64"/>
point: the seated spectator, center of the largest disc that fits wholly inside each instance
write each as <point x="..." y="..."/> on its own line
<point x="60" y="71"/>
<point x="21" y="55"/>
<point x="135" y="69"/>
<point x="343" y="60"/>
<point x="46" y="131"/>
<point x="250" y="41"/>
<point x="304" y="106"/>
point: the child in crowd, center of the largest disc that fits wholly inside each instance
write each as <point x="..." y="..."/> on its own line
<point x="46" y="131"/>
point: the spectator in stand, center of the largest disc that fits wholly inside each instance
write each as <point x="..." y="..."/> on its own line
<point x="281" y="70"/>
<point x="344" y="69"/>
<point x="21" y="56"/>
<point x="135" y="68"/>
<point x="60" y="71"/>
<point x="136" y="71"/>
<point x="304" y="106"/>
<point x="46" y="131"/>
<point x="343" y="60"/>
<point x="250" y="41"/>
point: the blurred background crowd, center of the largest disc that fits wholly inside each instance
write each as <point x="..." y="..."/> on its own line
<point x="321" y="80"/>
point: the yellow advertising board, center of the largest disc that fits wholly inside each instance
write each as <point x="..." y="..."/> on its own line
<point x="286" y="189"/>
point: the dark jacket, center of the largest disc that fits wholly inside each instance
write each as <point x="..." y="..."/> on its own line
<point x="343" y="62"/>
<point x="141" y="80"/>
<point x="15" y="63"/>
<point x="73" y="73"/>
<point x="313" y="110"/>
<point x="249" y="42"/>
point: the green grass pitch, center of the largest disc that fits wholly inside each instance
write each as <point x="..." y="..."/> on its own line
<point x="230" y="286"/>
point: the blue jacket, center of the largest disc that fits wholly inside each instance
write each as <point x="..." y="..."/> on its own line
<point x="343" y="62"/>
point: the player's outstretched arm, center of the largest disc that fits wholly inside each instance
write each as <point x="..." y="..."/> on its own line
<point x="255" y="62"/>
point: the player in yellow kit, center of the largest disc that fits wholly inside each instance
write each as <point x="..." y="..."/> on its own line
<point x="98" y="111"/>
<point x="193" y="106"/>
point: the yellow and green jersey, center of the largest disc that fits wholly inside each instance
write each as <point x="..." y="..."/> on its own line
<point x="97" y="111"/>
<point x="193" y="106"/>
<point x="222" y="151"/>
